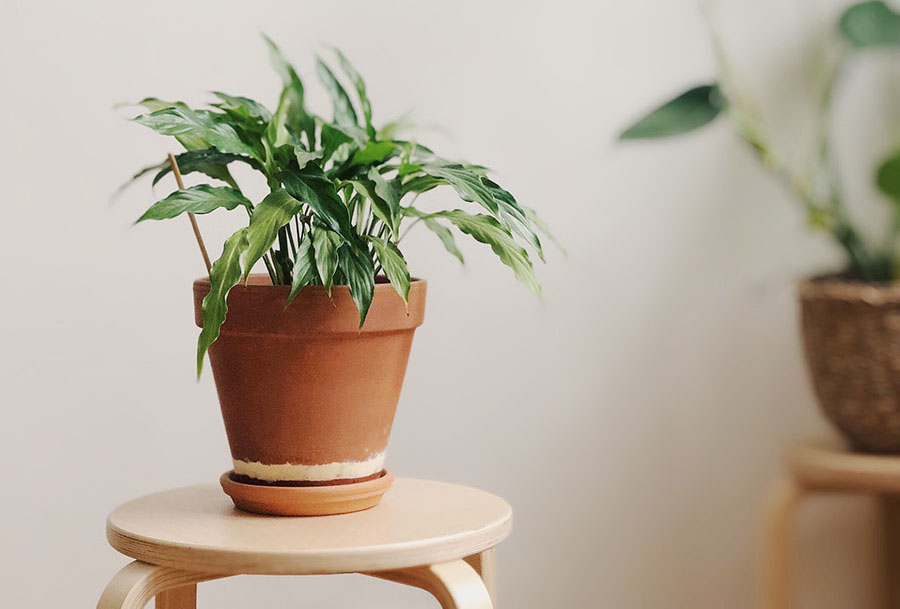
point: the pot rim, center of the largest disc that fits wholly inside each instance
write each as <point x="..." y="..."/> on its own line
<point x="838" y="286"/>
<point x="262" y="281"/>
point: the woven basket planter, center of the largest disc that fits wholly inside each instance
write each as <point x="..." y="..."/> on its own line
<point x="851" y="334"/>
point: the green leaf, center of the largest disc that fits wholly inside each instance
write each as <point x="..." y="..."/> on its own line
<point x="394" y="265"/>
<point x="871" y="24"/>
<point x="294" y="113"/>
<point x="243" y="107"/>
<point x="360" y="85"/>
<point x="311" y="186"/>
<point x="272" y="213"/>
<point x="224" y="275"/>
<point x="888" y="177"/>
<point x="326" y="244"/>
<point x="373" y="153"/>
<point x="344" y="114"/>
<point x="304" y="272"/>
<point x="199" y="125"/>
<point x="542" y="226"/>
<point x="443" y="233"/>
<point x="304" y="157"/>
<point x="200" y="199"/>
<point x="138" y="175"/>
<point x="209" y="162"/>
<point x="488" y="230"/>
<point x="356" y="264"/>
<point x="690" y="110"/>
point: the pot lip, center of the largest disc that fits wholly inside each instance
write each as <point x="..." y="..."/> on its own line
<point x="261" y="282"/>
<point x="840" y="287"/>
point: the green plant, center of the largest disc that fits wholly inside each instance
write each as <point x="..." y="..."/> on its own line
<point x="342" y="193"/>
<point x="862" y="26"/>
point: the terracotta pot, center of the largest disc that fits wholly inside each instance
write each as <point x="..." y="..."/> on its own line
<point x="851" y="334"/>
<point x="307" y="396"/>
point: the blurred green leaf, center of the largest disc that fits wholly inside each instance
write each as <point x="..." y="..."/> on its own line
<point x="360" y="85"/>
<point x="888" y="177"/>
<point x="344" y="114"/>
<point x="690" y="110"/>
<point x="871" y="24"/>
<point x="224" y="275"/>
<point x="200" y="199"/>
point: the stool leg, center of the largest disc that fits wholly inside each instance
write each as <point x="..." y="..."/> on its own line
<point x="456" y="585"/>
<point x="484" y="564"/>
<point x="890" y="508"/>
<point x="183" y="597"/>
<point x="778" y="545"/>
<point x="138" y="582"/>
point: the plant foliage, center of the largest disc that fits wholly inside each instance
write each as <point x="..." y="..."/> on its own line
<point x="342" y="193"/>
<point x="864" y="25"/>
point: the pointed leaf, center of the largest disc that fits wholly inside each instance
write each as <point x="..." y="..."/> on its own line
<point x="311" y="186"/>
<point x="356" y="264"/>
<point x="393" y="264"/>
<point x="344" y="114"/>
<point x="243" y="107"/>
<point x="224" y="275"/>
<point x="200" y="199"/>
<point x="304" y="272"/>
<point x="360" y="85"/>
<point x="182" y="121"/>
<point x="443" y="233"/>
<point x="690" y="110"/>
<point x="871" y="24"/>
<point x="272" y="213"/>
<point x="373" y="153"/>
<point x="209" y="162"/>
<point x="488" y="230"/>
<point x="326" y="244"/>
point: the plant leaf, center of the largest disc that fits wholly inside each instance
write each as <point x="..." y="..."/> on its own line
<point x="243" y="107"/>
<point x="443" y="233"/>
<point x="690" y="110"/>
<point x="200" y="199"/>
<point x="356" y="264"/>
<point x="360" y="85"/>
<point x="888" y="177"/>
<point x="311" y="186"/>
<point x="209" y="162"/>
<point x="394" y="265"/>
<point x="871" y="24"/>
<point x="372" y="153"/>
<point x="200" y="125"/>
<point x="344" y="114"/>
<point x="542" y="226"/>
<point x="304" y="272"/>
<point x="488" y="230"/>
<point x="224" y="275"/>
<point x="272" y="213"/>
<point x="326" y="244"/>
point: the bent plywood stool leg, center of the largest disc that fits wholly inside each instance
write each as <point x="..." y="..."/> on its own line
<point x="138" y="582"/>
<point x="484" y="565"/>
<point x="456" y="585"/>
<point x="778" y="544"/>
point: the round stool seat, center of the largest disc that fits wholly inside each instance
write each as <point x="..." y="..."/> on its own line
<point x="832" y="465"/>
<point x="418" y="522"/>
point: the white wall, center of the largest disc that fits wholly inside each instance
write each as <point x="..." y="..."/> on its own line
<point x="633" y="418"/>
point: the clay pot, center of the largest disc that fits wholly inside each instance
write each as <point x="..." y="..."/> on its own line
<point x="851" y="334"/>
<point x="307" y="396"/>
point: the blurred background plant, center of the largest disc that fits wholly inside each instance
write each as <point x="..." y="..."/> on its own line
<point x="862" y="26"/>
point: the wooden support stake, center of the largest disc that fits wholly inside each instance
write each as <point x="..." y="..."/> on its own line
<point x="177" y="172"/>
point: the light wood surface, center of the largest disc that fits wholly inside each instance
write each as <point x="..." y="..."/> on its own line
<point x="417" y="523"/>
<point x="826" y="466"/>
<point x="456" y="585"/>
<point x="138" y="582"/>
<point x="831" y="466"/>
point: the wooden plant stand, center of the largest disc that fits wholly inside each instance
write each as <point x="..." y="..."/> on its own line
<point x="430" y="535"/>
<point x="821" y="467"/>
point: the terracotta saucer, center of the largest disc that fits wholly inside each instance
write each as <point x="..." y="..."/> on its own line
<point x="307" y="500"/>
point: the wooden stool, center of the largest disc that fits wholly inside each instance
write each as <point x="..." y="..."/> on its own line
<point x="826" y="467"/>
<point x="435" y="536"/>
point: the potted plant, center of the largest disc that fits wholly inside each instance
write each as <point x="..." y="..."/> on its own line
<point x="309" y="357"/>
<point x="850" y="318"/>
